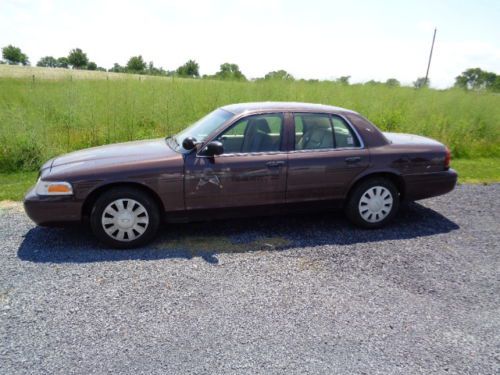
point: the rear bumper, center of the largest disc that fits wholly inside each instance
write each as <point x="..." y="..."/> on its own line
<point x="52" y="211"/>
<point x="430" y="184"/>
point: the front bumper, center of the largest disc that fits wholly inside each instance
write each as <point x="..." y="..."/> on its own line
<point x="430" y="184"/>
<point x="52" y="211"/>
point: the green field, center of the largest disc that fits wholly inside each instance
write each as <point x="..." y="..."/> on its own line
<point x="56" y="112"/>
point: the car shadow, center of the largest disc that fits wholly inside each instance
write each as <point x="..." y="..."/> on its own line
<point x="207" y="239"/>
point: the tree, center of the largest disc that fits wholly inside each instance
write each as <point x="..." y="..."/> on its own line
<point x="279" y="75"/>
<point x="496" y="85"/>
<point x="230" y="72"/>
<point x="189" y="69"/>
<point x="62" y="62"/>
<point x="117" y="68"/>
<point x="344" y="80"/>
<point x="392" y="82"/>
<point x="47" y="62"/>
<point x="154" y="71"/>
<point x="91" y="66"/>
<point x="14" y="55"/>
<point x="421" y="82"/>
<point x="476" y="79"/>
<point x="78" y="59"/>
<point x="136" y="64"/>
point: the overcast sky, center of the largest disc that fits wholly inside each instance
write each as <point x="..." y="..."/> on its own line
<point x="309" y="38"/>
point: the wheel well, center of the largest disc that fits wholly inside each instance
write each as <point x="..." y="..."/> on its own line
<point x="90" y="200"/>
<point x="394" y="178"/>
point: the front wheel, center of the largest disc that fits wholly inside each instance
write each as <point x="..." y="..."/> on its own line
<point x="125" y="218"/>
<point x="373" y="203"/>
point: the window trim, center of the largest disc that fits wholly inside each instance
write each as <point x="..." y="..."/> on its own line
<point x="330" y="115"/>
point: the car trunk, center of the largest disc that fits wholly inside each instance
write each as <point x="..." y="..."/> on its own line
<point x="410" y="139"/>
<point x="422" y="154"/>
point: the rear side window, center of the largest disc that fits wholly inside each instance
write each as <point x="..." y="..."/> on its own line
<point x="344" y="135"/>
<point x="313" y="131"/>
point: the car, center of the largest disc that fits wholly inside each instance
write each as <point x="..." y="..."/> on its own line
<point x="242" y="160"/>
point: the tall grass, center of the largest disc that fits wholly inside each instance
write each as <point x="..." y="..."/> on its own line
<point x="43" y="118"/>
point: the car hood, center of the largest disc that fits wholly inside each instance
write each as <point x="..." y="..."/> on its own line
<point x="135" y="156"/>
<point x="119" y="152"/>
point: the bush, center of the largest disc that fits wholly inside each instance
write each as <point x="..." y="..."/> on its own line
<point x="20" y="154"/>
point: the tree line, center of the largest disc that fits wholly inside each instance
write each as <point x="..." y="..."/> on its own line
<point x="470" y="79"/>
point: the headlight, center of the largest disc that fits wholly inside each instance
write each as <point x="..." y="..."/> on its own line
<point x="53" y="188"/>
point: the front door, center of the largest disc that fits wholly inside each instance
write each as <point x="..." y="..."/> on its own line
<point x="251" y="171"/>
<point x="328" y="155"/>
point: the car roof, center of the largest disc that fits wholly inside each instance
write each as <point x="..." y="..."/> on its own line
<point x="282" y="106"/>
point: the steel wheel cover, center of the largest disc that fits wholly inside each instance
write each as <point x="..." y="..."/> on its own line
<point x="375" y="204"/>
<point x="125" y="220"/>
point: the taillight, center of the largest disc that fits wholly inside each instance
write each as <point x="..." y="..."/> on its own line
<point x="447" y="158"/>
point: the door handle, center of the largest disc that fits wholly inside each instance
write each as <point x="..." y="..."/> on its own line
<point x="275" y="163"/>
<point x="352" y="160"/>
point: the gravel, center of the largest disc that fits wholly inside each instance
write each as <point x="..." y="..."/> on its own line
<point x="304" y="294"/>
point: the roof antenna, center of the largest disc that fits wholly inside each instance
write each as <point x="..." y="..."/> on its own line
<point x="430" y="58"/>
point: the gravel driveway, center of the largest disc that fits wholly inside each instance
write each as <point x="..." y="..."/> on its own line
<point x="286" y="295"/>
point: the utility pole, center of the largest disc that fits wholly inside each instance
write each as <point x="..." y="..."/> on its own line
<point x="430" y="58"/>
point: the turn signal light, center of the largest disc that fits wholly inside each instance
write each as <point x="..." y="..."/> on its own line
<point x="53" y="188"/>
<point x="59" y="189"/>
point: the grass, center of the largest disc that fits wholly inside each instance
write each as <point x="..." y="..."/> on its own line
<point x="61" y="110"/>
<point x="475" y="171"/>
<point x="14" y="185"/>
<point x="27" y="72"/>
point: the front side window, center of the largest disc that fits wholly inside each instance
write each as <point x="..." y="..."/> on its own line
<point x="261" y="133"/>
<point x="201" y="129"/>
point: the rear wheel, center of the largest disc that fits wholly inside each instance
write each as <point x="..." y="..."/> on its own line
<point x="373" y="203"/>
<point x="125" y="218"/>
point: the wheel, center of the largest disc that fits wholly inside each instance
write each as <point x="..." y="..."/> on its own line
<point x="373" y="203"/>
<point x="125" y="218"/>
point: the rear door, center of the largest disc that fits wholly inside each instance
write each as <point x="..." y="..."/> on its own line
<point x="250" y="172"/>
<point x="326" y="156"/>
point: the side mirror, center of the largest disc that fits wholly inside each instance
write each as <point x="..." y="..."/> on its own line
<point x="214" y="148"/>
<point x="189" y="143"/>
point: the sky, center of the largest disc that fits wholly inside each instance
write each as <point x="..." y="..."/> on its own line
<point x="310" y="39"/>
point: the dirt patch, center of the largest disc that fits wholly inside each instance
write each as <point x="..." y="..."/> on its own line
<point x="221" y="244"/>
<point x="11" y="206"/>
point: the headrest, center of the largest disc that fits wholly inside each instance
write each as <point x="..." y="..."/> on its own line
<point x="261" y="125"/>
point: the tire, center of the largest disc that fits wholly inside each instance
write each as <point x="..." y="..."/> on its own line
<point x="373" y="203"/>
<point x="125" y="218"/>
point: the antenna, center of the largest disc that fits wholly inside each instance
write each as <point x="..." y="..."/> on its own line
<point x="430" y="58"/>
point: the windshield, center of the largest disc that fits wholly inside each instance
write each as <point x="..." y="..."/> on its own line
<point x="201" y="129"/>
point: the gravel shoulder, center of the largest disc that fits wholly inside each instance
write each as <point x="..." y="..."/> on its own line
<point x="304" y="294"/>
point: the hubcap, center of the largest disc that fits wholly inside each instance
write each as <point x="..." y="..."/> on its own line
<point x="375" y="204"/>
<point x="125" y="220"/>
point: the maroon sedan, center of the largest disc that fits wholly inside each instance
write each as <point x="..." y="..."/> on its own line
<point x="242" y="159"/>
